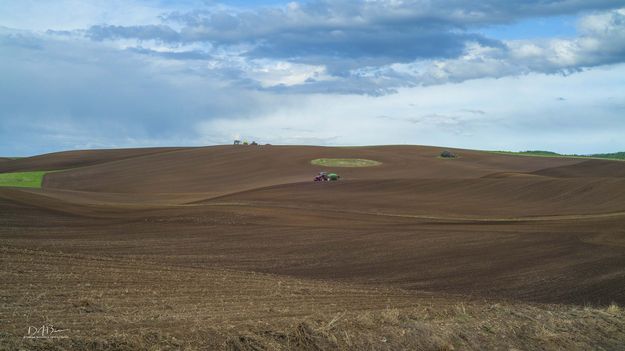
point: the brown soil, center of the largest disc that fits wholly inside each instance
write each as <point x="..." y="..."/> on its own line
<point x="219" y="246"/>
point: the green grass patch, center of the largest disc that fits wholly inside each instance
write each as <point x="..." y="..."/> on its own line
<point x="540" y="153"/>
<point x="611" y="156"/>
<point x="23" y="179"/>
<point x="345" y="162"/>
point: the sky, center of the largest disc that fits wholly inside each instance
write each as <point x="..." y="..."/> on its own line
<point x="491" y="75"/>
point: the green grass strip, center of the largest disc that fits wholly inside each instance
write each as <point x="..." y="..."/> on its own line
<point x="23" y="179"/>
<point x="618" y="156"/>
<point x="345" y="162"/>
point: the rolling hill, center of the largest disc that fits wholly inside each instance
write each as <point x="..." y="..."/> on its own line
<point x="240" y="239"/>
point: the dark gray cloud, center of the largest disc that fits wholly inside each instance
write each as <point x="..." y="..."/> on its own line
<point x="375" y="44"/>
<point x="358" y="41"/>
<point x="327" y="31"/>
<point x="344" y="14"/>
<point x="372" y="43"/>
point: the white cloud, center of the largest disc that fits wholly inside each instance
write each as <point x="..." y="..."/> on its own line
<point x="516" y="113"/>
<point x="601" y="42"/>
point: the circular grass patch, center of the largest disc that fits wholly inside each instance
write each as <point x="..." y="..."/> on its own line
<point x="345" y="162"/>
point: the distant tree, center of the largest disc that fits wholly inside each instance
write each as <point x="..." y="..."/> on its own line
<point x="447" y="154"/>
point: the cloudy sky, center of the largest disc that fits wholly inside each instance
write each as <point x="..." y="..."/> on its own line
<point x="490" y="74"/>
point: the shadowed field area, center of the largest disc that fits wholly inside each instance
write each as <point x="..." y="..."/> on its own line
<point x="235" y="247"/>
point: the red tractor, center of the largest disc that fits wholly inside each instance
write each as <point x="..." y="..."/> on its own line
<point x="321" y="177"/>
<point x="324" y="177"/>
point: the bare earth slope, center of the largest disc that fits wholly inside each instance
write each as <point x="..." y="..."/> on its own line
<point x="217" y="230"/>
<point x="231" y="169"/>
<point x="586" y="169"/>
<point x="72" y="159"/>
